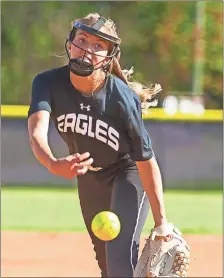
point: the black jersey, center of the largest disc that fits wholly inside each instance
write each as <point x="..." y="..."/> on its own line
<point x="108" y="124"/>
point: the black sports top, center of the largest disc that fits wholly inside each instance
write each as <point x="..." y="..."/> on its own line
<point x="108" y="124"/>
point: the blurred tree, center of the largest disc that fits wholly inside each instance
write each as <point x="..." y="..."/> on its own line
<point x="157" y="39"/>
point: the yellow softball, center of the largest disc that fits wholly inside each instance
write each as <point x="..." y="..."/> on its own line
<point x="106" y="225"/>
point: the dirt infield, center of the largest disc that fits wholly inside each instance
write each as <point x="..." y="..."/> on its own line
<point x="39" y="254"/>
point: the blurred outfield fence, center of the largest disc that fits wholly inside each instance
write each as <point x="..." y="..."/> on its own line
<point x="189" y="149"/>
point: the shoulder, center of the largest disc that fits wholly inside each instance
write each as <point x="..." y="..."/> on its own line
<point x="51" y="75"/>
<point x="123" y="93"/>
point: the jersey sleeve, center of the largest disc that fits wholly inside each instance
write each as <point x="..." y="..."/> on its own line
<point x="140" y="142"/>
<point x="41" y="98"/>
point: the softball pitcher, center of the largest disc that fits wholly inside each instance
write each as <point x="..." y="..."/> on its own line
<point x="97" y="112"/>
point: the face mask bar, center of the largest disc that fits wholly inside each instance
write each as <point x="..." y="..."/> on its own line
<point x="78" y="66"/>
<point x="82" y="68"/>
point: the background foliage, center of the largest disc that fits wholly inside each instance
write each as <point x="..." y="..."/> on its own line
<point x="157" y="39"/>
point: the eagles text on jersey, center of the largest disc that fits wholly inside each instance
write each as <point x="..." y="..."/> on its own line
<point x="108" y="124"/>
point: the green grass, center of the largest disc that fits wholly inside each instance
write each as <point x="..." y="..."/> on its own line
<point x="194" y="212"/>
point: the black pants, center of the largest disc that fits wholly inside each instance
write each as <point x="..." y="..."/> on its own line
<point x="120" y="191"/>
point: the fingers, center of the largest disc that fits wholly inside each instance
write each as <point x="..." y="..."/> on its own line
<point x="82" y="171"/>
<point x="72" y="165"/>
<point x="76" y="158"/>
<point x="80" y="163"/>
<point x="85" y="163"/>
<point x="82" y="166"/>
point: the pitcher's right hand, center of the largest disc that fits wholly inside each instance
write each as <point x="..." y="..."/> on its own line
<point x="71" y="165"/>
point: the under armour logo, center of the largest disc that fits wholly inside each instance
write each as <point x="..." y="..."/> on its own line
<point x="82" y="106"/>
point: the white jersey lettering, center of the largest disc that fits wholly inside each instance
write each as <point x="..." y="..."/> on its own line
<point x="61" y="124"/>
<point x="114" y="137"/>
<point x="100" y="131"/>
<point x="90" y="133"/>
<point x="81" y="126"/>
<point x="69" y="122"/>
<point x="84" y="124"/>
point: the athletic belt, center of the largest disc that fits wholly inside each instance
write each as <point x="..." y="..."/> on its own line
<point x="91" y="168"/>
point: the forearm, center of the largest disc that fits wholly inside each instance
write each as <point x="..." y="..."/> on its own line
<point x="152" y="182"/>
<point x="41" y="150"/>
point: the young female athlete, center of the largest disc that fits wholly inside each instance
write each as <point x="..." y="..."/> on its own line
<point x="97" y="112"/>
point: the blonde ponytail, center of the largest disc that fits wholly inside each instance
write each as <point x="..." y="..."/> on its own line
<point x="145" y="93"/>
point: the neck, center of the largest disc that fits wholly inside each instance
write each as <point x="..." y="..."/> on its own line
<point x="88" y="85"/>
